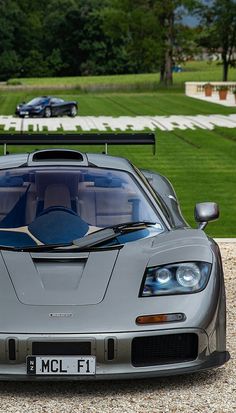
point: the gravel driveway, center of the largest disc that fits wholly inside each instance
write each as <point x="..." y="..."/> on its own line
<point x="212" y="391"/>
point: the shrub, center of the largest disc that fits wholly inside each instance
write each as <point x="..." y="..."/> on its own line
<point x="14" y="82"/>
<point x="222" y="87"/>
<point x="207" y="85"/>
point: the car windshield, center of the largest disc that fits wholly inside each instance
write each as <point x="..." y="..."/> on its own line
<point x="44" y="206"/>
<point x="56" y="100"/>
<point x="36" y="101"/>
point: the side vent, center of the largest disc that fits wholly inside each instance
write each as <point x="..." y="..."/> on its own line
<point x="12" y="349"/>
<point x="55" y="156"/>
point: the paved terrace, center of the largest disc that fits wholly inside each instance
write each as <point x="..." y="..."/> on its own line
<point x="117" y="124"/>
<point x="229" y="102"/>
<point x="196" y="90"/>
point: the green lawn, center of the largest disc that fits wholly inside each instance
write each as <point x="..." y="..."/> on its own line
<point x="126" y="104"/>
<point x="192" y="71"/>
<point x="201" y="165"/>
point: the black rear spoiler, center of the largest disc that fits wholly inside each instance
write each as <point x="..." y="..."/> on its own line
<point x="78" y="139"/>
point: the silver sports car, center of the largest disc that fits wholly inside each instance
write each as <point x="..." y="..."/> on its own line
<point x="101" y="277"/>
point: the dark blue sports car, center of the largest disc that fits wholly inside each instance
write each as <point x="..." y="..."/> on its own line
<point x="47" y="106"/>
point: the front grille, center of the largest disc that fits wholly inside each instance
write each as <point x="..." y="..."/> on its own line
<point x="165" y="349"/>
<point x="56" y="348"/>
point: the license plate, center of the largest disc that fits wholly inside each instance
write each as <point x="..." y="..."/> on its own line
<point x="61" y="365"/>
<point x="24" y="113"/>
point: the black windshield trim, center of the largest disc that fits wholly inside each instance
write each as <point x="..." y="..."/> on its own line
<point x="60" y="249"/>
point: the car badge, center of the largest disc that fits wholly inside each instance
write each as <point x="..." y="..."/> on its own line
<point x="64" y="315"/>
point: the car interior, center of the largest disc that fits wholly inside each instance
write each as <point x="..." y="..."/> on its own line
<point x="43" y="199"/>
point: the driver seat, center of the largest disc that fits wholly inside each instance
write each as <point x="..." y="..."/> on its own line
<point x="57" y="195"/>
<point x="54" y="195"/>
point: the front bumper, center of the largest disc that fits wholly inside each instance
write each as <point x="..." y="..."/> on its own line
<point x="29" y="113"/>
<point x="120" y="367"/>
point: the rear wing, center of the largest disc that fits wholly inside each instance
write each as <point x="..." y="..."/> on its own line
<point x="78" y="139"/>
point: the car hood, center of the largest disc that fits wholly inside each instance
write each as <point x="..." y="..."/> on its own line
<point x="96" y="291"/>
<point x="64" y="279"/>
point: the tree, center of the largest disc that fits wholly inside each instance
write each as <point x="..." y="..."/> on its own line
<point x="9" y="64"/>
<point x="218" y="30"/>
<point x="75" y="28"/>
<point x="176" y="37"/>
<point x="22" y="46"/>
<point x="91" y="37"/>
<point x="9" y="23"/>
<point x="151" y="32"/>
<point x="134" y="26"/>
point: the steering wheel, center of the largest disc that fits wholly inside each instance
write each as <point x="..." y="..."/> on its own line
<point x="58" y="225"/>
<point x="57" y="208"/>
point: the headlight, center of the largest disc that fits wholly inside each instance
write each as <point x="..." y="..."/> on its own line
<point x="163" y="275"/>
<point x="188" y="275"/>
<point x="179" y="278"/>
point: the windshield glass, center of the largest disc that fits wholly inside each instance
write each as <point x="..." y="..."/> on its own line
<point x="36" y="101"/>
<point x="58" y="205"/>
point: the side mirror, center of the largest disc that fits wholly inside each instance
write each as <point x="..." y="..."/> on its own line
<point x="205" y="212"/>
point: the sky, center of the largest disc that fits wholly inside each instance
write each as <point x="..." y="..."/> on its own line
<point x="191" y="21"/>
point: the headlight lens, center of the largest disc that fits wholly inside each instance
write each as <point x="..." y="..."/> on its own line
<point x="179" y="278"/>
<point x="163" y="275"/>
<point x="188" y="275"/>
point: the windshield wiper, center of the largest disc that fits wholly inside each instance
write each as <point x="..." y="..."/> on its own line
<point x="109" y="233"/>
<point x="131" y="224"/>
<point x="88" y="241"/>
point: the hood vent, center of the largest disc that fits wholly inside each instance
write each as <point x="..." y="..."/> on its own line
<point x="57" y="156"/>
<point x="60" y="282"/>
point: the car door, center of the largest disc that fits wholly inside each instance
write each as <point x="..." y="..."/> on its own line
<point x="62" y="106"/>
<point x="56" y="106"/>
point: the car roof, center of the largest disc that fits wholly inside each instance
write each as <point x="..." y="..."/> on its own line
<point x="97" y="160"/>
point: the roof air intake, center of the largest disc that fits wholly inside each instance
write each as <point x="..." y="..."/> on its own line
<point x="54" y="156"/>
<point x="59" y="155"/>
